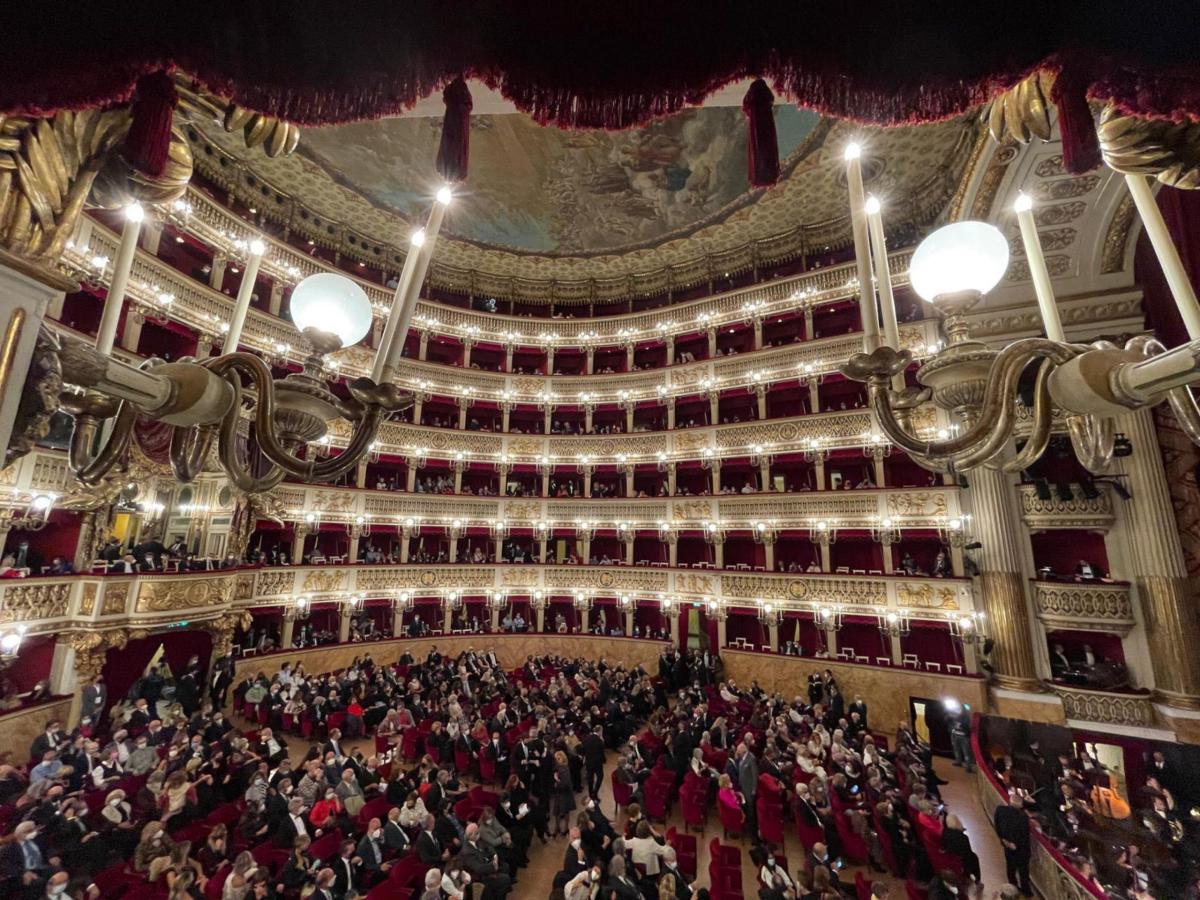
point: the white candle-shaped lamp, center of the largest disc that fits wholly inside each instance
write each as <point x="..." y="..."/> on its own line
<point x="392" y="348"/>
<point x="1168" y="255"/>
<point x="883" y="280"/>
<point x="415" y="242"/>
<point x="110" y="316"/>
<point x="862" y="247"/>
<point x="883" y="275"/>
<point x="242" y="304"/>
<point x="1037" y="267"/>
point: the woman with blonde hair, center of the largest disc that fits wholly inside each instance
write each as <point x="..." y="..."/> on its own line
<point x="666" y="887"/>
<point x="562" y="797"/>
<point x="237" y="884"/>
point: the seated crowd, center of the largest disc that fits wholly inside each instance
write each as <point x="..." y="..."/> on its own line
<point x="1144" y="847"/>
<point x="172" y="800"/>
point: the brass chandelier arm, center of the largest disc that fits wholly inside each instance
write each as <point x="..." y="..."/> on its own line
<point x="190" y="445"/>
<point x="1182" y="400"/>
<point x="227" y="450"/>
<point x="1093" y="439"/>
<point x="994" y="423"/>
<point x="272" y="448"/>
<point x="1043" y="423"/>
<point x="91" y="465"/>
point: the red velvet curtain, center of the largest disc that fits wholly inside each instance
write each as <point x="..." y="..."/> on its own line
<point x="122" y="668"/>
<point x="886" y="62"/>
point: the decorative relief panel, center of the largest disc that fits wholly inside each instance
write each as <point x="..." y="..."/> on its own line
<point x="324" y="581"/>
<point x="116" y="599"/>
<point x="1055" y="512"/>
<point x="917" y="505"/>
<point x="28" y="602"/>
<point x="275" y="582"/>
<point x="1131" y="710"/>
<point x="622" y="579"/>
<point x="696" y="584"/>
<point x="182" y="593"/>
<point x="1103" y="607"/>
<point x="87" y="598"/>
<point x="691" y="510"/>
<point x="927" y="596"/>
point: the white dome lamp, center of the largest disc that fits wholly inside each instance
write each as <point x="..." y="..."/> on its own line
<point x="331" y="305"/>
<point x="332" y="312"/>
<point x="953" y="268"/>
<point x="957" y="264"/>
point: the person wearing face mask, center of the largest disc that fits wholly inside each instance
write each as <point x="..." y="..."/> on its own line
<point x="24" y="864"/>
<point x="326" y="812"/>
<point x="370" y="850"/>
<point x="456" y="881"/>
<point x="584" y="886"/>
<point x="56" y="886"/>
<point x="154" y="844"/>
<point x="775" y="876"/>
<point x="483" y="865"/>
<point x="51" y="738"/>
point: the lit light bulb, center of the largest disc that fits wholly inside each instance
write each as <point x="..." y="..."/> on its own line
<point x="445" y="195"/>
<point x="135" y="212"/>
<point x="853" y="151"/>
<point x="1023" y="203"/>
<point x="872" y="206"/>
<point x="418" y="238"/>
<point x="257" y="247"/>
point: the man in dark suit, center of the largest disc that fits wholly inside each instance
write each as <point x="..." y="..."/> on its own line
<point x="395" y="838"/>
<point x="499" y="755"/>
<point x="859" y="706"/>
<point x="591" y="748"/>
<point x="370" y="851"/>
<point x="346" y="870"/>
<point x="24" y="863"/>
<point x="429" y="849"/>
<point x="1012" y="826"/>
<point x="670" y="866"/>
<point x="480" y="860"/>
<point x="293" y="825"/>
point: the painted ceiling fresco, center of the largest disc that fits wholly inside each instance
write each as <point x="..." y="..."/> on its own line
<point x="548" y="190"/>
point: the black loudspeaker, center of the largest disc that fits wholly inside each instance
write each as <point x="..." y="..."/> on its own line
<point x="1042" y="488"/>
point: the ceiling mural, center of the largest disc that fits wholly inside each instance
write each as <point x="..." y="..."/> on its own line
<point x="545" y="206"/>
<point x="551" y="190"/>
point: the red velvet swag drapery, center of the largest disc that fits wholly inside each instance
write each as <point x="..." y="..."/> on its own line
<point x="613" y="64"/>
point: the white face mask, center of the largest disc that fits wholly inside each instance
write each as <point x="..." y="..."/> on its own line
<point x="56" y="889"/>
<point x="376" y="833"/>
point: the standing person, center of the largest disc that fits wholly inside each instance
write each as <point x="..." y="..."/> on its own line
<point x="1012" y="826"/>
<point x="960" y="738"/>
<point x="747" y="769"/>
<point x="94" y="700"/>
<point x="562" y="796"/>
<point x="592" y="750"/>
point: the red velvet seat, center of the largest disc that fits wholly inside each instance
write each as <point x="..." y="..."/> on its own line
<point x="770" y="819"/>
<point x="732" y="819"/>
<point x="913" y="891"/>
<point x="658" y="799"/>
<point x="376" y="808"/>
<point x="854" y="847"/>
<point x="809" y="834"/>
<point x="487" y="766"/>
<point x="862" y="886"/>
<point x="686" y="851"/>
<point x="695" y="810"/>
<point x="622" y="793"/>
<point x="216" y="884"/>
<point x="462" y="761"/>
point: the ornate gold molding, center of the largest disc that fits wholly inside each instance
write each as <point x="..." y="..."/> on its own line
<point x="1055" y="512"/>
<point x="1099" y="607"/>
<point x="1164" y="149"/>
<point x="1130" y="710"/>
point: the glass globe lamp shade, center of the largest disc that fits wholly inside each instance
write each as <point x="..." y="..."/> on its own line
<point x="962" y="256"/>
<point x="332" y="303"/>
